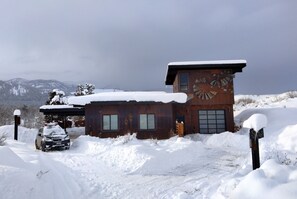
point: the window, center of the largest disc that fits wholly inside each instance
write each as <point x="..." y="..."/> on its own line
<point x="212" y="121"/>
<point x="110" y="122"/>
<point x="147" y="121"/>
<point x="183" y="82"/>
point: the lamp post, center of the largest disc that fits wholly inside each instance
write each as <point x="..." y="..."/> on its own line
<point x="17" y="121"/>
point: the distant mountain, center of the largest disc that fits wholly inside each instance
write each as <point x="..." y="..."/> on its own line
<point x="22" y="91"/>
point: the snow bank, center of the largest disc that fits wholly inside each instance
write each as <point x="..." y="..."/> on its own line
<point x="20" y="177"/>
<point x="287" y="139"/>
<point x="74" y="132"/>
<point x="9" y="158"/>
<point x="229" y="140"/>
<point x="272" y="180"/>
<point x="146" y="157"/>
<point x="277" y="118"/>
<point x="24" y="134"/>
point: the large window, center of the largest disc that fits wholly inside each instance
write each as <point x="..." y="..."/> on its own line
<point x="183" y="81"/>
<point x="147" y="121"/>
<point x="212" y="121"/>
<point x="110" y="122"/>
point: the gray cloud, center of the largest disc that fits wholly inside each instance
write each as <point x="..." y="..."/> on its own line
<point x="127" y="44"/>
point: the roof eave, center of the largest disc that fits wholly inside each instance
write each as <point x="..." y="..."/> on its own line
<point x="174" y="67"/>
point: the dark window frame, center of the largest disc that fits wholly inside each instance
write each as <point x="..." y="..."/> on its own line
<point x="183" y="82"/>
<point x="110" y="122"/>
<point x="147" y="121"/>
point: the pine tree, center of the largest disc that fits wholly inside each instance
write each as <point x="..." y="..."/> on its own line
<point x="55" y="97"/>
<point x="80" y="90"/>
<point x="89" y="89"/>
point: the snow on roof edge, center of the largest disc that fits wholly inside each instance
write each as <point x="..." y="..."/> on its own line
<point x="139" y="96"/>
<point x="55" y="107"/>
<point x="239" y="61"/>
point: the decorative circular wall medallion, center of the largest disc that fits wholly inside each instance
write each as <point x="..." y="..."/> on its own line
<point x="203" y="87"/>
<point x="203" y="90"/>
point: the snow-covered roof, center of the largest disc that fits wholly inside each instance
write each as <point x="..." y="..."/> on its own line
<point x="174" y="67"/>
<point x="239" y="61"/>
<point x="44" y="107"/>
<point x="62" y="110"/>
<point x="129" y="96"/>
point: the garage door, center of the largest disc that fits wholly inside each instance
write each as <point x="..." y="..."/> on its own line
<point x="211" y="121"/>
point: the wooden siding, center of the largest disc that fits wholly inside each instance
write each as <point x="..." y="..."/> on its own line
<point x="207" y="90"/>
<point x="128" y="119"/>
<point x="191" y="119"/>
<point x="208" y="86"/>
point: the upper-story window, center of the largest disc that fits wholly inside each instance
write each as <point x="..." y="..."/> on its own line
<point x="183" y="82"/>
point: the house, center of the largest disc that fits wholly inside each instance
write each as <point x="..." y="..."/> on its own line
<point x="149" y="114"/>
<point x="202" y="99"/>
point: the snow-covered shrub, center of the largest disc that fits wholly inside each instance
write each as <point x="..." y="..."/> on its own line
<point x="280" y="156"/>
<point x="285" y="96"/>
<point x="292" y="94"/>
<point x="244" y="101"/>
<point x="125" y="139"/>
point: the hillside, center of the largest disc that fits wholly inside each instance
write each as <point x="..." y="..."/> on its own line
<point x="32" y="92"/>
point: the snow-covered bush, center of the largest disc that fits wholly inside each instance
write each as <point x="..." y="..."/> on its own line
<point x="292" y="94"/>
<point x="244" y="101"/>
<point x="285" y="96"/>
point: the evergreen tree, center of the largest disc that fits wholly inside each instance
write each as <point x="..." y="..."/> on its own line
<point x="55" y="97"/>
<point x="89" y="89"/>
<point x="80" y="90"/>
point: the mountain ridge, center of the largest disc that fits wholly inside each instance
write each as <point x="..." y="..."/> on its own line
<point x="33" y="92"/>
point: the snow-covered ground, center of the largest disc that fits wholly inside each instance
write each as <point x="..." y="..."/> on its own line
<point x="196" y="166"/>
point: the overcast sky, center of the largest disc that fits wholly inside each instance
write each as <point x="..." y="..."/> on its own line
<point x="127" y="44"/>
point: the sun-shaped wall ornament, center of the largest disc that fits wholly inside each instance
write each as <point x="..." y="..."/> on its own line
<point x="221" y="80"/>
<point x="203" y="87"/>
